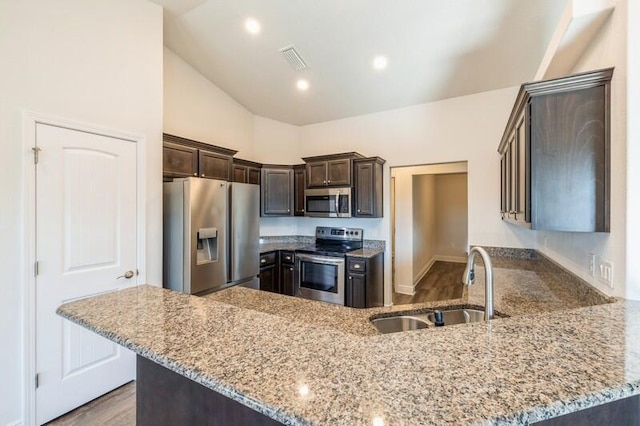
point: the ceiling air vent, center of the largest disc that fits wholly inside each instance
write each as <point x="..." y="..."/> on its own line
<point x="293" y="57"/>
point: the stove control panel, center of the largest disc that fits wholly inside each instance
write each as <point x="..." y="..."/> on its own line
<point x="340" y="234"/>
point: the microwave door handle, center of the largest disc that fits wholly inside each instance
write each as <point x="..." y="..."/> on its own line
<point x="337" y="203"/>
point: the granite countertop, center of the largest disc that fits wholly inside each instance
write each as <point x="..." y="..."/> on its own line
<point x="554" y="355"/>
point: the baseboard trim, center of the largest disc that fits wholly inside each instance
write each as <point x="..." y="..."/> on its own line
<point x="409" y="290"/>
<point x="424" y="271"/>
<point x="455" y="259"/>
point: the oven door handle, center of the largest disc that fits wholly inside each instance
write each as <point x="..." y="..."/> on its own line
<point x="327" y="260"/>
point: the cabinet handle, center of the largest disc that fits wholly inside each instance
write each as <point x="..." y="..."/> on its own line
<point x="350" y="278"/>
<point x="263" y="260"/>
<point x="358" y="210"/>
<point x="195" y="174"/>
<point x="356" y="266"/>
<point x="288" y="210"/>
<point x="302" y="210"/>
<point x="324" y="181"/>
<point x="329" y="181"/>
<point x="202" y="175"/>
<point x="291" y="269"/>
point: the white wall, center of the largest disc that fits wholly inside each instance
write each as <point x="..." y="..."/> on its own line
<point x="195" y="108"/>
<point x="571" y="249"/>
<point x="424" y="224"/>
<point x="633" y="155"/>
<point x="97" y="62"/>
<point x="451" y="215"/>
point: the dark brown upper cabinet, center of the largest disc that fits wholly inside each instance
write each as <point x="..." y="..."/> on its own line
<point x="276" y="191"/>
<point x="367" y="183"/>
<point x="245" y="171"/>
<point x="185" y="157"/>
<point x="555" y="165"/>
<point x="179" y="161"/>
<point x="299" y="185"/>
<point x="330" y="170"/>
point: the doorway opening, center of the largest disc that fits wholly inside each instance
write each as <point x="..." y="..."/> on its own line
<point x="429" y="231"/>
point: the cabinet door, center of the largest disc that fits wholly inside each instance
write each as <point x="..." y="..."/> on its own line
<point x="253" y="175"/>
<point x="299" y="185"/>
<point x="286" y="279"/>
<point x="367" y="187"/>
<point x="503" y="185"/>
<point x="339" y="172"/>
<point x="277" y="192"/>
<point x="214" y="166"/>
<point x="356" y="296"/>
<point x="507" y="176"/>
<point x="268" y="280"/>
<point x="522" y="203"/>
<point x="317" y="174"/>
<point x="179" y="160"/>
<point x="239" y="173"/>
<point x="513" y="177"/>
<point x="570" y="153"/>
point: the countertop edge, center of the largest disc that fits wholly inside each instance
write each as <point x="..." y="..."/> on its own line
<point x="206" y="381"/>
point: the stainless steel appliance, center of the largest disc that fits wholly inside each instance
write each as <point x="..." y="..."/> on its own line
<point x="327" y="202"/>
<point x="320" y="268"/>
<point x="211" y="234"/>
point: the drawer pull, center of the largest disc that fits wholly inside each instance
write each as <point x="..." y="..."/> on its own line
<point x="356" y="266"/>
<point x="263" y="260"/>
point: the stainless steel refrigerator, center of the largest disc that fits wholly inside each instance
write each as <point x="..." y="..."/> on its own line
<point x="211" y="234"/>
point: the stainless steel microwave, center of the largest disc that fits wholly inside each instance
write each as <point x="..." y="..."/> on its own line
<point x="327" y="202"/>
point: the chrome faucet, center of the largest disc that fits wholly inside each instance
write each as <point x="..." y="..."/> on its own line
<point x="469" y="277"/>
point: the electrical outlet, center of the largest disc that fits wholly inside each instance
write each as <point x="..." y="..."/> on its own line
<point x="592" y="264"/>
<point x="606" y="272"/>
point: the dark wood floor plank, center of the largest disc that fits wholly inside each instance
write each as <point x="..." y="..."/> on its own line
<point x="442" y="282"/>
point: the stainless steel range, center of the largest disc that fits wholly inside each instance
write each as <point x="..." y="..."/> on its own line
<point x="320" y="268"/>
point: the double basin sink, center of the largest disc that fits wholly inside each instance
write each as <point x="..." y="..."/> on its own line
<point x="417" y="321"/>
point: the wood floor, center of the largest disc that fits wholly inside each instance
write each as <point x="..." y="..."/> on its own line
<point x="117" y="408"/>
<point x="442" y="282"/>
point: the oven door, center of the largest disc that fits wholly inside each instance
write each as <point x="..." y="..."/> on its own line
<point x="320" y="278"/>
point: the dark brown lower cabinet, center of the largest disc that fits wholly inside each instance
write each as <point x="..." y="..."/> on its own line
<point x="164" y="397"/>
<point x="287" y="276"/>
<point x="365" y="282"/>
<point x="269" y="272"/>
<point x="621" y="412"/>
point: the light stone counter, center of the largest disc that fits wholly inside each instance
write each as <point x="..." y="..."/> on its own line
<point x="261" y="349"/>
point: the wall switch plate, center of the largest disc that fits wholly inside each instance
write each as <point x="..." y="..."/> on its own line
<point x="606" y="272"/>
<point x="592" y="264"/>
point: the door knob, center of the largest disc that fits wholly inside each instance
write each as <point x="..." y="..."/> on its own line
<point x="127" y="275"/>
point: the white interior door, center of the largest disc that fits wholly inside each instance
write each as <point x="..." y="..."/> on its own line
<point x="85" y="240"/>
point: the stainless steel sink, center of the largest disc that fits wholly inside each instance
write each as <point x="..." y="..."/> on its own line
<point x="399" y="323"/>
<point x="456" y="316"/>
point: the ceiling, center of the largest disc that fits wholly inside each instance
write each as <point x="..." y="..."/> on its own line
<point x="436" y="49"/>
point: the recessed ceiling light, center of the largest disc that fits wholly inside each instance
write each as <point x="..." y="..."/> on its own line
<point x="252" y="26"/>
<point x="380" y="62"/>
<point x="302" y="84"/>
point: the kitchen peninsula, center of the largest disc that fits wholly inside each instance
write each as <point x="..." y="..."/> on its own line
<point x="562" y="350"/>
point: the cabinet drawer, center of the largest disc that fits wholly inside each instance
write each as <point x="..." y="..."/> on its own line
<point x="267" y="259"/>
<point x="357" y="265"/>
<point x="287" y="257"/>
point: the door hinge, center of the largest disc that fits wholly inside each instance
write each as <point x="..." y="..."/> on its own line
<point x="37" y="380"/>
<point x="36" y="268"/>
<point x="36" y="153"/>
